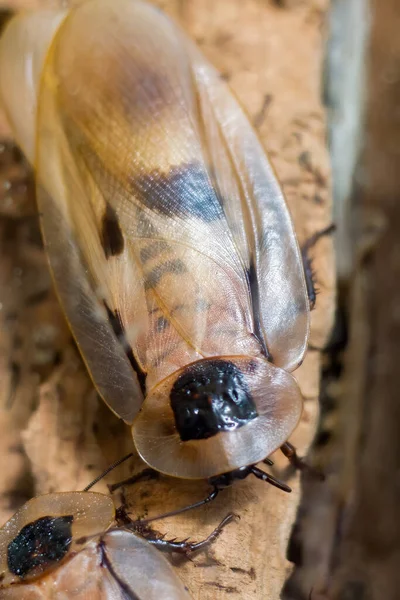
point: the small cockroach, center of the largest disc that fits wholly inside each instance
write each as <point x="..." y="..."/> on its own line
<point x="170" y="243"/>
<point x="75" y="545"/>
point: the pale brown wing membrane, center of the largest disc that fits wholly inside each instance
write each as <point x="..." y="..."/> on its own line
<point x="205" y="139"/>
<point x="157" y="197"/>
<point x="105" y="355"/>
<point x="258" y="213"/>
<point x="167" y="233"/>
<point x="140" y="568"/>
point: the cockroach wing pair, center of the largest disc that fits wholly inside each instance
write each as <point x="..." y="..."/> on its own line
<point x="170" y="243"/>
<point x="57" y="546"/>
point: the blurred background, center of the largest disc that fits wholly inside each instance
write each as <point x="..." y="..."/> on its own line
<point x="348" y="529"/>
<point x="345" y="541"/>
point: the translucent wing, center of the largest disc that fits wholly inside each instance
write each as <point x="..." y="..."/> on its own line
<point x="256" y="211"/>
<point x="168" y="236"/>
<point x="134" y="565"/>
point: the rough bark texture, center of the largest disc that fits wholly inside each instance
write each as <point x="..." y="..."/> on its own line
<point x="349" y="540"/>
<point x="367" y="555"/>
<point x="54" y="433"/>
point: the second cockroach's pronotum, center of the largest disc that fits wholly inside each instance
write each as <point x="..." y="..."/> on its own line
<point x="59" y="546"/>
<point x="170" y="243"/>
<point x="75" y="545"/>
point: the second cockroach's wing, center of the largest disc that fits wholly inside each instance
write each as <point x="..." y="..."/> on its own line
<point x="56" y="547"/>
<point x="141" y="567"/>
<point x="167" y="233"/>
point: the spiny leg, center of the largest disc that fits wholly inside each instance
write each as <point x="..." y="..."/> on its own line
<point x="307" y="262"/>
<point x="179" y="546"/>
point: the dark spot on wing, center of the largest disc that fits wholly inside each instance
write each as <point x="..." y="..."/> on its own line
<point x="176" y="267"/>
<point x="111" y="235"/>
<point x="119" y="331"/>
<point x="6" y="15"/>
<point x="39" y="545"/>
<point x="152" y="250"/>
<point x="255" y="301"/>
<point x="186" y="191"/>
<point x="127" y="593"/>
<point x="162" y="323"/>
<point x="37" y="297"/>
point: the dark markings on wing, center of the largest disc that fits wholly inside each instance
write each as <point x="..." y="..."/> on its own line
<point x="176" y="267"/>
<point x="186" y="191"/>
<point x="162" y="324"/>
<point x="111" y="235"/>
<point x="39" y="545"/>
<point x="152" y="250"/>
<point x="209" y="397"/>
<point x="37" y="297"/>
<point x="126" y="591"/>
<point x="255" y="301"/>
<point x="118" y="328"/>
<point x="6" y="14"/>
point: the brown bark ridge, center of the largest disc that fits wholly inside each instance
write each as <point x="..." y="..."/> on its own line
<point x="350" y="543"/>
<point x="366" y="557"/>
<point x="53" y="427"/>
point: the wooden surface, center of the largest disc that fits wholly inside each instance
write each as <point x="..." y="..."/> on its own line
<point x="366" y="554"/>
<point x="348" y="546"/>
<point x="55" y="434"/>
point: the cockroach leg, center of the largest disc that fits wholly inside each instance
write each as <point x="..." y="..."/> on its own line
<point x="299" y="463"/>
<point x="218" y="484"/>
<point x="141" y="525"/>
<point x="270" y="479"/>
<point x="145" y="475"/>
<point x="186" y="547"/>
<point x="307" y="262"/>
<point x="179" y="546"/>
<point x="268" y="461"/>
<point x="291" y="454"/>
<point x="226" y="479"/>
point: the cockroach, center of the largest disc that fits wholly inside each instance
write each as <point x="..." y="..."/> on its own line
<point x="170" y="243"/>
<point x="75" y="545"/>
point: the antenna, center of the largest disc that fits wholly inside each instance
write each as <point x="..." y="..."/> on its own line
<point x="107" y="471"/>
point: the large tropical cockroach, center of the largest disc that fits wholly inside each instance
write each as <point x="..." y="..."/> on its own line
<point x="170" y="243"/>
<point x="75" y="545"/>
